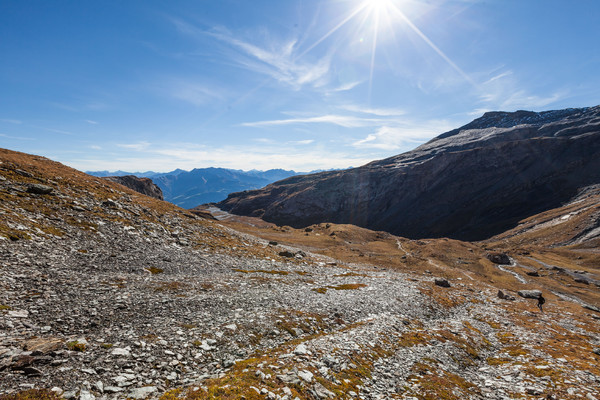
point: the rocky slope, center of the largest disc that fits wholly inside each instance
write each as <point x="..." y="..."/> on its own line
<point x="140" y="185"/>
<point x="471" y="183"/>
<point x="109" y="294"/>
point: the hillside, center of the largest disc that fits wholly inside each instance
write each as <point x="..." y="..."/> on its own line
<point x="110" y="294"/>
<point x="470" y="183"/>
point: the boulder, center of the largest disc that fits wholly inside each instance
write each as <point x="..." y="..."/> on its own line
<point x="39" y="189"/>
<point x="530" y="294"/>
<point x="504" y="296"/>
<point x="499" y="258"/>
<point x="443" y="282"/>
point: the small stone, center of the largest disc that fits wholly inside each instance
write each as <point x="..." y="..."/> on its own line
<point x="231" y="327"/>
<point x="306" y="375"/>
<point x="31" y="371"/>
<point x="57" y="390"/>
<point x="120" y="352"/>
<point x="442" y="282"/>
<point x="85" y="395"/>
<point x="18" y="313"/>
<point x="112" y="389"/>
<point x="143" y="392"/>
<point x="322" y="392"/>
<point x="301" y="350"/>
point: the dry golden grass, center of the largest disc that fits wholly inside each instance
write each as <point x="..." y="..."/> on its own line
<point x="32" y="394"/>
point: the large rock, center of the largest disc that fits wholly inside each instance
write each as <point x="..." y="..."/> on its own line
<point x="530" y="294"/>
<point x="499" y="258"/>
<point x="470" y="183"/>
<point x="140" y="185"/>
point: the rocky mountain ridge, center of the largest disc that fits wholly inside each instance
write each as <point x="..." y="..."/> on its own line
<point x="471" y="183"/>
<point x="140" y="185"/>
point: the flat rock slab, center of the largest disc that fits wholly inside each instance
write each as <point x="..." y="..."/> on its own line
<point x="43" y="345"/>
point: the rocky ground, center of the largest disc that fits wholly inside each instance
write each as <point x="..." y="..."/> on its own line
<point x="105" y="295"/>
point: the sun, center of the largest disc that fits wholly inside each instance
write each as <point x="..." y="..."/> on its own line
<point x="378" y="5"/>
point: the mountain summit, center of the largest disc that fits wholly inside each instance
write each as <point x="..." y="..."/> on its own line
<point x="470" y="183"/>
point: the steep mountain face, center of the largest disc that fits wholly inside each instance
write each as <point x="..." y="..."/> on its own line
<point x="140" y="185"/>
<point x="470" y="183"/>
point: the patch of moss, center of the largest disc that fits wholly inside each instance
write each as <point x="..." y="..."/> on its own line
<point x="76" y="346"/>
<point x="155" y="270"/>
<point x="346" y="286"/>
<point x="264" y="271"/>
<point x="32" y="394"/>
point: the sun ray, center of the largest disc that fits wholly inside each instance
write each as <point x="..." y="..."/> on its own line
<point x="373" y="51"/>
<point x="431" y="44"/>
<point x="335" y="28"/>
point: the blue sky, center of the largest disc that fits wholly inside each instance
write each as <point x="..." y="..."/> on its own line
<point x="294" y="84"/>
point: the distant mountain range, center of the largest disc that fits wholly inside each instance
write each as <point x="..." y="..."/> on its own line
<point x="470" y="183"/>
<point x="189" y="189"/>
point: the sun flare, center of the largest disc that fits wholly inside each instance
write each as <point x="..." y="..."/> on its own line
<point x="378" y="5"/>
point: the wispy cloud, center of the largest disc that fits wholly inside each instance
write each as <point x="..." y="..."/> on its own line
<point x="192" y="92"/>
<point x="59" y="131"/>
<point x="382" y="112"/>
<point x="89" y="121"/>
<point x="303" y="142"/>
<point x="503" y="91"/>
<point x="11" y="121"/>
<point x="346" y="86"/>
<point x="499" y="76"/>
<point x="15" y="137"/>
<point x="392" y="138"/>
<point x="95" y="147"/>
<point x="278" y="59"/>
<point x="139" y="146"/>
<point x="346" y="121"/>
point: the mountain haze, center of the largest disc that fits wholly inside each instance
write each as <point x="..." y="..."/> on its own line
<point x="189" y="189"/>
<point x="470" y="183"/>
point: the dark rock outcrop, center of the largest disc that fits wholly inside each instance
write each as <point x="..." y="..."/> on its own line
<point x="499" y="258"/>
<point x="140" y="185"/>
<point x="470" y="183"/>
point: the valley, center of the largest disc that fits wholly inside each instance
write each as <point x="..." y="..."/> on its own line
<point x="109" y="294"/>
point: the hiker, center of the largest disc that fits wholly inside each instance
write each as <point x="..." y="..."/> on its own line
<point x="541" y="301"/>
